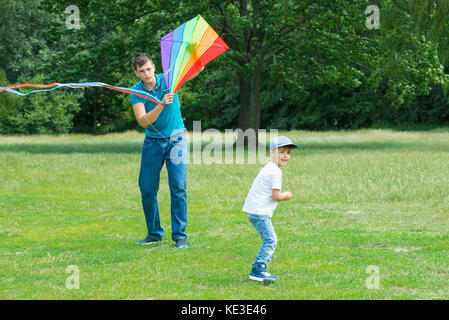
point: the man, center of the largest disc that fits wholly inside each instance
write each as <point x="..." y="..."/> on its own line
<point x="165" y="142"/>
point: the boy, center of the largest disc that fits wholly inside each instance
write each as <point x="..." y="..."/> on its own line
<point x="261" y="201"/>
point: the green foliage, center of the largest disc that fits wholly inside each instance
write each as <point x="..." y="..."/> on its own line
<point x="39" y="113"/>
<point x="216" y="104"/>
<point x="8" y="102"/>
<point x="346" y="76"/>
<point x="319" y="66"/>
<point x="410" y="62"/>
<point x="23" y="50"/>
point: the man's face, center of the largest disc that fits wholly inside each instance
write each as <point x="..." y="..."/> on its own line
<point x="146" y="72"/>
<point x="281" y="156"/>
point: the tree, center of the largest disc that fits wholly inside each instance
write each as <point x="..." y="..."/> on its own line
<point x="22" y="46"/>
<point x="301" y="46"/>
<point x="256" y="31"/>
<point x="24" y="54"/>
<point x="304" y="45"/>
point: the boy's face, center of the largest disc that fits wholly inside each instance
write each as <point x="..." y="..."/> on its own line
<point x="281" y="156"/>
<point x="146" y="72"/>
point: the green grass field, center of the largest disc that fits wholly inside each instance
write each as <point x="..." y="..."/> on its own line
<point x="361" y="198"/>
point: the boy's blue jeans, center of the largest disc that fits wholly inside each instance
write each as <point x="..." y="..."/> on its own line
<point x="172" y="151"/>
<point x="263" y="225"/>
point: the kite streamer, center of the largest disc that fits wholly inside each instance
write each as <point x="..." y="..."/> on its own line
<point x="185" y="50"/>
<point x="53" y="86"/>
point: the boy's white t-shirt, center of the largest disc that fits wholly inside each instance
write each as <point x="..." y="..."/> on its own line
<point x="259" y="200"/>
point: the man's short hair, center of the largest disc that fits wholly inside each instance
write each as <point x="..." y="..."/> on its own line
<point x="140" y="59"/>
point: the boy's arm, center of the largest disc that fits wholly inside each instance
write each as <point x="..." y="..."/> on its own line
<point x="278" y="196"/>
<point x="145" y="119"/>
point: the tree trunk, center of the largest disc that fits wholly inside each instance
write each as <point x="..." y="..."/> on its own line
<point x="249" y="115"/>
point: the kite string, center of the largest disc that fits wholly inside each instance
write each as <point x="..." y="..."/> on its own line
<point x="53" y="86"/>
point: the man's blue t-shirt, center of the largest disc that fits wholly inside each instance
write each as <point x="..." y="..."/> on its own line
<point x="169" y="122"/>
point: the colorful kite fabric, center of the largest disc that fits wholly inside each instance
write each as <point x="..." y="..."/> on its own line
<point x="187" y="49"/>
<point x="53" y="86"/>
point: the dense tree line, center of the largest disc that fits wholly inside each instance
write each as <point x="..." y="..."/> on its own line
<point x="291" y="65"/>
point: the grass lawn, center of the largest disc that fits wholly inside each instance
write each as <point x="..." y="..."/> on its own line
<point x="361" y="198"/>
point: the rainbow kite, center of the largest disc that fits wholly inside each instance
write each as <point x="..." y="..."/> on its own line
<point x="187" y="49"/>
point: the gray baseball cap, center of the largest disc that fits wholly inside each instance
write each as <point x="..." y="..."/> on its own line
<point x="282" y="141"/>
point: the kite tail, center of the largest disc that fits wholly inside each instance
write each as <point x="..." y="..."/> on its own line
<point x="54" y="86"/>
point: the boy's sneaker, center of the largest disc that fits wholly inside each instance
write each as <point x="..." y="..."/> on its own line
<point x="259" y="273"/>
<point x="148" y="240"/>
<point x="181" y="244"/>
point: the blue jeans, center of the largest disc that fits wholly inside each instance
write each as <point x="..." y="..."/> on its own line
<point x="263" y="225"/>
<point x="172" y="151"/>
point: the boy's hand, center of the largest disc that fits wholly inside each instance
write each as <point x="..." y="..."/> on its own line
<point x="278" y="196"/>
<point x="287" y="195"/>
<point x="168" y="98"/>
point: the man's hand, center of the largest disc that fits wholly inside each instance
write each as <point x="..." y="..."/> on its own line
<point x="168" y="98"/>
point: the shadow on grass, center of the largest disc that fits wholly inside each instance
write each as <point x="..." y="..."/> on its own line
<point x="374" y="146"/>
<point x="72" y="148"/>
<point x="136" y="147"/>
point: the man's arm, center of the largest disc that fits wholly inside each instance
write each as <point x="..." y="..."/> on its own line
<point x="145" y="118"/>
